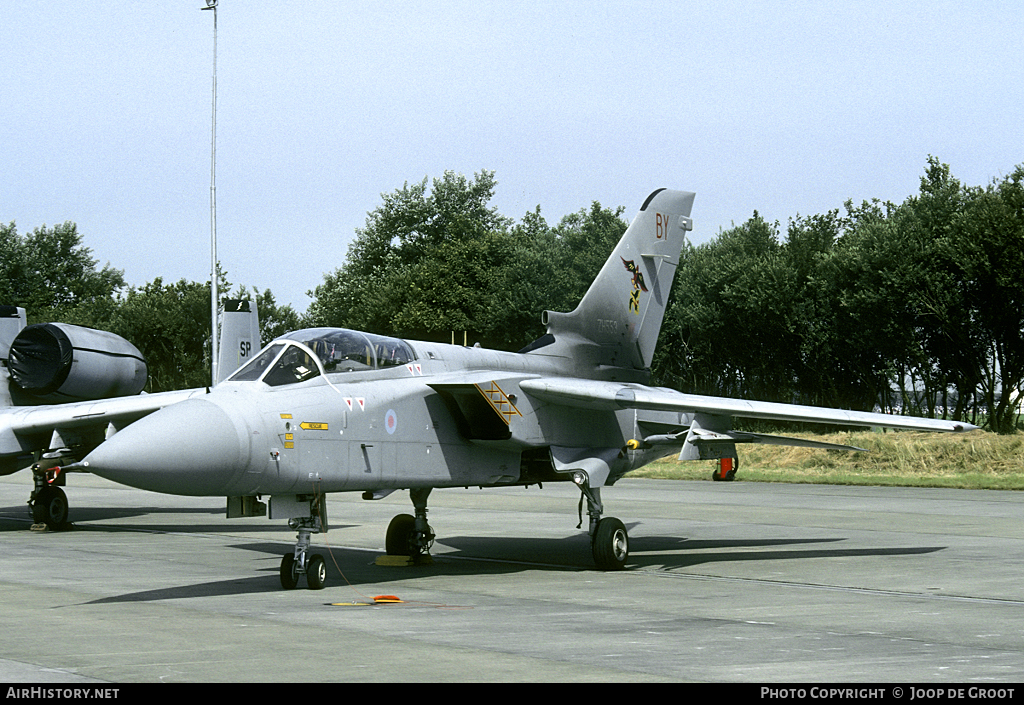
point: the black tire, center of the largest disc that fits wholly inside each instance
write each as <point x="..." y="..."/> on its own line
<point x="51" y="507"/>
<point x="611" y="544"/>
<point x="398" y="541"/>
<point x="38" y="510"/>
<point x="316" y="572"/>
<point x="289" y="576"/>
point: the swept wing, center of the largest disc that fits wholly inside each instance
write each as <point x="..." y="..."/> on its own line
<point x="592" y="394"/>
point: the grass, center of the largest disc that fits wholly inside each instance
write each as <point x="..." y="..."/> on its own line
<point x="975" y="460"/>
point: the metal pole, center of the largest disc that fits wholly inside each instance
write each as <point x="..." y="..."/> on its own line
<point x="214" y="303"/>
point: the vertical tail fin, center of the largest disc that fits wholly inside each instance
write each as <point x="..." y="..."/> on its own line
<point x="239" y="336"/>
<point x="12" y="322"/>
<point x="618" y="321"/>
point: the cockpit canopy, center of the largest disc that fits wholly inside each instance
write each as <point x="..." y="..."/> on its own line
<point x="334" y="350"/>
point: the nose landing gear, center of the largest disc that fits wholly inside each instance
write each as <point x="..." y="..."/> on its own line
<point x="300" y="561"/>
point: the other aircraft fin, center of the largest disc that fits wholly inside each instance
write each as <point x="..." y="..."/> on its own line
<point x="239" y="336"/>
<point x="618" y="321"/>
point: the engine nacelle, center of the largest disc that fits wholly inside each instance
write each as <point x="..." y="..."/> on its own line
<point x="59" y="362"/>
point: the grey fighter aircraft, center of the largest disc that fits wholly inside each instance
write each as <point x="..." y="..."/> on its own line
<point x="64" y="389"/>
<point x="331" y="410"/>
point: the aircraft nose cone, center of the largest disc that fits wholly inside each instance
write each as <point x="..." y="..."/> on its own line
<point x="190" y="448"/>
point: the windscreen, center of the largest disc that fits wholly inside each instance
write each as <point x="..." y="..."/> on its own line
<point x="255" y="368"/>
<point x="341" y="350"/>
<point x="335" y="349"/>
<point x="294" y="365"/>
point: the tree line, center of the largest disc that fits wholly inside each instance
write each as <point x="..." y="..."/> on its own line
<point x="916" y="307"/>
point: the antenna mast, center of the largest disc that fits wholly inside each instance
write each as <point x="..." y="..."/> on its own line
<point x="214" y="303"/>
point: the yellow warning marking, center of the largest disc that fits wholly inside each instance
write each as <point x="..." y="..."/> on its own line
<point x="289" y="436"/>
<point x="286" y="416"/>
<point x="289" y="444"/>
<point x="313" y="426"/>
<point x="498" y="400"/>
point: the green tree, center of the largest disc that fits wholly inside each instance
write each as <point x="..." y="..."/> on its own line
<point x="170" y="325"/>
<point x="865" y="284"/>
<point x="947" y="337"/>
<point x="524" y="284"/>
<point x="275" y="320"/>
<point x="730" y="327"/>
<point x="53" y="275"/>
<point x="409" y="269"/>
<point x="989" y="251"/>
<point x="435" y="261"/>
<point x="13" y="276"/>
<point x="810" y="242"/>
<point x="582" y="243"/>
<point x="919" y="307"/>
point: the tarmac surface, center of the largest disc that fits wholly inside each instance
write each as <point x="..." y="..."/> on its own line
<point x="727" y="582"/>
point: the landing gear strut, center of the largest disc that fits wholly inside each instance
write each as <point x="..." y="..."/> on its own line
<point x="301" y="562"/>
<point x="609" y="541"/>
<point x="411" y="535"/>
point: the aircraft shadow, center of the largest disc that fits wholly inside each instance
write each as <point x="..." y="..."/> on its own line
<point x="661" y="551"/>
<point x="80" y="514"/>
<point x="357" y="569"/>
<point x="645" y="554"/>
<point x="13" y="517"/>
<point x="18" y="518"/>
<point x="226" y="528"/>
<point x="476" y="556"/>
<point x="218" y="588"/>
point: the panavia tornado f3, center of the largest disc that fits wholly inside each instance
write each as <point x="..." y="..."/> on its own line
<point x="332" y="410"/>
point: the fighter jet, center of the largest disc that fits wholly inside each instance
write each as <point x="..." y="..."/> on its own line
<point x="64" y="389"/>
<point x="333" y="410"/>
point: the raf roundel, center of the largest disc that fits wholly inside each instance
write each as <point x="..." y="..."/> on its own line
<point x="391" y="421"/>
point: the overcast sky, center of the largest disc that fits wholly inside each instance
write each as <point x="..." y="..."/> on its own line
<point x="784" y="107"/>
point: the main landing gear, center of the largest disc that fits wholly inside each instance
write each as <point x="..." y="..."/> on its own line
<point x="411" y="535"/>
<point x="48" y="503"/>
<point x="609" y="541"/>
<point x="300" y="562"/>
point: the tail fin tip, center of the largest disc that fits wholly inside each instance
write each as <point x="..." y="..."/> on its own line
<point x="618" y="320"/>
